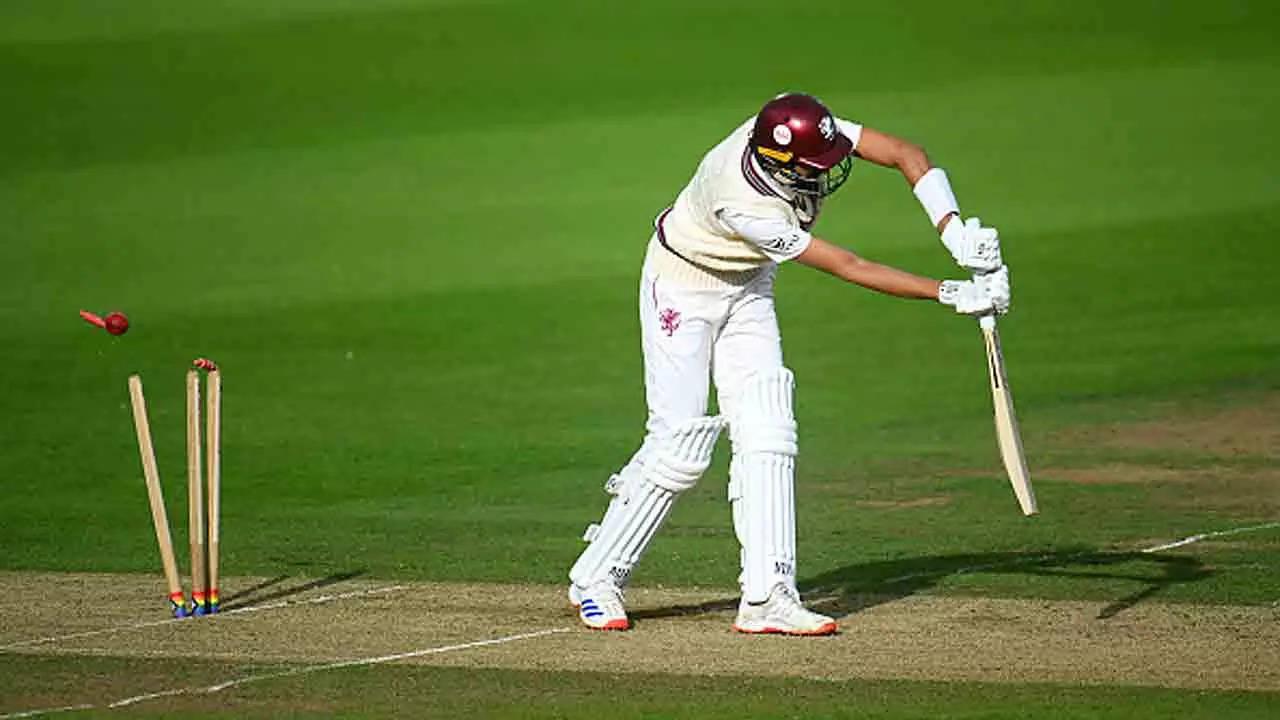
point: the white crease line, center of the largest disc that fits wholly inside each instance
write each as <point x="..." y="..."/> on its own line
<point x="304" y="670"/>
<point x="169" y="621"/>
<point x="1205" y="536"/>
<point x="359" y="662"/>
<point x="48" y="711"/>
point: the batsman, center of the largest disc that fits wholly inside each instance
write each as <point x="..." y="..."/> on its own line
<point x="707" y="317"/>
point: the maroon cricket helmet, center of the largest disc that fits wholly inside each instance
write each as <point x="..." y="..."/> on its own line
<point x="796" y="130"/>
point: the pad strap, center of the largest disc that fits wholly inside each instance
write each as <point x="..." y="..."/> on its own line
<point x="642" y="501"/>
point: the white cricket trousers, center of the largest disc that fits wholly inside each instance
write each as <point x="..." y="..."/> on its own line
<point x="696" y="330"/>
<point x="694" y="336"/>
<point x="691" y="337"/>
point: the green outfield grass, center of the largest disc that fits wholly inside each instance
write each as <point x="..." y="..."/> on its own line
<point x="410" y="233"/>
<point x="457" y="693"/>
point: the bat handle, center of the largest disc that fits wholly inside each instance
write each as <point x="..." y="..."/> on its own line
<point x="987" y="322"/>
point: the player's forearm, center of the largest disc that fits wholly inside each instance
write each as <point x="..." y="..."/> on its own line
<point x="894" y="152"/>
<point x="912" y="161"/>
<point x="890" y="280"/>
<point x="852" y="268"/>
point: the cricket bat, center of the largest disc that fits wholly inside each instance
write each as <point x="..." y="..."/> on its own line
<point x="1010" y="441"/>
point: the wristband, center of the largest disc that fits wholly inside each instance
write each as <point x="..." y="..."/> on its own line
<point x="933" y="190"/>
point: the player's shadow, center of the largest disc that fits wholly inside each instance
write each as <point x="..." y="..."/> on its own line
<point x="258" y="594"/>
<point x="850" y="589"/>
<point x="856" y="587"/>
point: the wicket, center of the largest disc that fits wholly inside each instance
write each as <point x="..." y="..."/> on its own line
<point x="203" y="535"/>
<point x="213" y="457"/>
<point x="177" y="600"/>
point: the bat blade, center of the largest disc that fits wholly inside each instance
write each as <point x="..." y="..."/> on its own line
<point x="1006" y="420"/>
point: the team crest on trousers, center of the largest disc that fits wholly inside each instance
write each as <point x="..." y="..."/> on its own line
<point x="669" y="319"/>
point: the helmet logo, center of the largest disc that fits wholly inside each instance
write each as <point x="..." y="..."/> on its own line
<point x="782" y="135"/>
<point x="827" y="127"/>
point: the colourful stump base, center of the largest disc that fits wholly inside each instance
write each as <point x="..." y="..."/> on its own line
<point x="178" y="605"/>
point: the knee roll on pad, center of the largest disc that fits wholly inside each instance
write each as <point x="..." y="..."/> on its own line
<point x="613" y="486"/>
<point x="765" y="420"/>
<point x="642" y="502"/>
<point x="684" y="456"/>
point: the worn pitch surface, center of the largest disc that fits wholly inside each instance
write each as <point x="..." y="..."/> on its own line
<point x="678" y="631"/>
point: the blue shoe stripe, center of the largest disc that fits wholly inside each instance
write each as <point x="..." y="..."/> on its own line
<point x="592" y="613"/>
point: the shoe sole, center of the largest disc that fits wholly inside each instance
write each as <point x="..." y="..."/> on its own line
<point x="827" y="629"/>
<point x="611" y="625"/>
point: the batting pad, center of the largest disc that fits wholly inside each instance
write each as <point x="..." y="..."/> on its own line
<point x="762" y="483"/>
<point x="643" y="501"/>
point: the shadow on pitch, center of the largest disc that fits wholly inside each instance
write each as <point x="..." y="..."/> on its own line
<point x="850" y="589"/>
<point x="264" y="592"/>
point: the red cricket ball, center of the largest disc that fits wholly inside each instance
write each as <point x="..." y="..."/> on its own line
<point x="116" y="323"/>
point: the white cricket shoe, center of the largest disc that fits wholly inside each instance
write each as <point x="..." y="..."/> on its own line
<point x="599" y="605"/>
<point x="782" y="613"/>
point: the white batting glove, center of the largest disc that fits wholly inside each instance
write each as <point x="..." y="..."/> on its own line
<point x="973" y="246"/>
<point x="997" y="285"/>
<point x="986" y="293"/>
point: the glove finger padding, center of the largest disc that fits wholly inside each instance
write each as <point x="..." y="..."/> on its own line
<point x="996" y="286"/>
<point x="967" y="296"/>
<point x="973" y="246"/>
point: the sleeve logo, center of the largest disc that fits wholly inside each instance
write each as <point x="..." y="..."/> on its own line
<point x="782" y="244"/>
